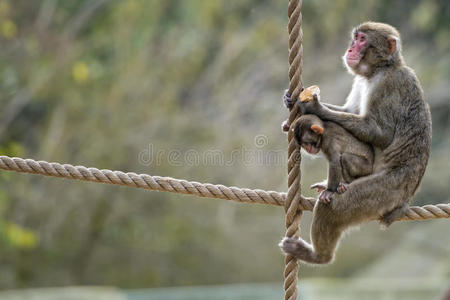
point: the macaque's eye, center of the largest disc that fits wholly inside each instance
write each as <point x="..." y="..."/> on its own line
<point x="363" y="38"/>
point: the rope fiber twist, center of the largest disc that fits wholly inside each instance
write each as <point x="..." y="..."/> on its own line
<point x="293" y="199"/>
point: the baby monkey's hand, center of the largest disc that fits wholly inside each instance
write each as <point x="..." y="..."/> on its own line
<point x="342" y="188"/>
<point x="326" y="196"/>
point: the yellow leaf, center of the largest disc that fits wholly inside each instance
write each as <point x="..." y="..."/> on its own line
<point x="80" y="72"/>
<point x="20" y="237"/>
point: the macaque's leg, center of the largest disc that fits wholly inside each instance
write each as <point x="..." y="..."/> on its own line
<point x="325" y="235"/>
<point x="365" y="200"/>
<point x="354" y="166"/>
<point x="368" y="198"/>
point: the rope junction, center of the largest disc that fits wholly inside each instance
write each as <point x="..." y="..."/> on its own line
<point x="168" y="184"/>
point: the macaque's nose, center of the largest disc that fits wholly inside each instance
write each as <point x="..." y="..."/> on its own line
<point x="349" y="50"/>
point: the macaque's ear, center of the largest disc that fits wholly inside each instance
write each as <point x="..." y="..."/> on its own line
<point x="392" y="44"/>
<point x="317" y="128"/>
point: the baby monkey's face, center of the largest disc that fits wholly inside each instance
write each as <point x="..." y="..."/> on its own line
<point x="311" y="143"/>
<point x="308" y="130"/>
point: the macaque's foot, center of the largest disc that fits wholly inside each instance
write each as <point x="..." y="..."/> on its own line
<point x="292" y="246"/>
<point x="319" y="186"/>
<point x="285" y="126"/>
<point x="288" y="102"/>
<point x="342" y="188"/>
<point x="326" y="196"/>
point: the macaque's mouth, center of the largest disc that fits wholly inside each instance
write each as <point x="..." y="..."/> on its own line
<point x="352" y="61"/>
<point x="310" y="148"/>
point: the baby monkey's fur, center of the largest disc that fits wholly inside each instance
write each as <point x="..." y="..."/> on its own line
<point x="348" y="158"/>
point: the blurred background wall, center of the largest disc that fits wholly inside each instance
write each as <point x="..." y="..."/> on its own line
<point x="189" y="89"/>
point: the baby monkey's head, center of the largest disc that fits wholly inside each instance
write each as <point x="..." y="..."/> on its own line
<point x="308" y="130"/>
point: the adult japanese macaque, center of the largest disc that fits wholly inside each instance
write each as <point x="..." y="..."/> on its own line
<point x="386" y="109"/>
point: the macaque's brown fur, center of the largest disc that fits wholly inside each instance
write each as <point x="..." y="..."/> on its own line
<point x="386" y="109"/>
<point x="348" y="158"/>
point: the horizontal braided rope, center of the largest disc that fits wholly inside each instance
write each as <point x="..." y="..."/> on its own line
<point x="168" y="184"/>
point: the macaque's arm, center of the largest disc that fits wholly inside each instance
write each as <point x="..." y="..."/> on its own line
<point x="334" y="107"/>
<point x="363" y="128"/>
<point x="334" y="178"/>
<point x="334" y="173"/>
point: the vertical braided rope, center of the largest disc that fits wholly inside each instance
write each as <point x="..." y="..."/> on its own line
<point x="293" y="214"/>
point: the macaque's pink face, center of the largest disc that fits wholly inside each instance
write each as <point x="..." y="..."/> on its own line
<point x="354" y="55"/>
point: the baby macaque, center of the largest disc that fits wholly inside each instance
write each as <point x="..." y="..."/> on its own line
<point x="348" y="157"/>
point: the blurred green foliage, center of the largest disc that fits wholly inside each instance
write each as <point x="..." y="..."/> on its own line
<point x="18" y="237"/>
<point x="152" y="86"/>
